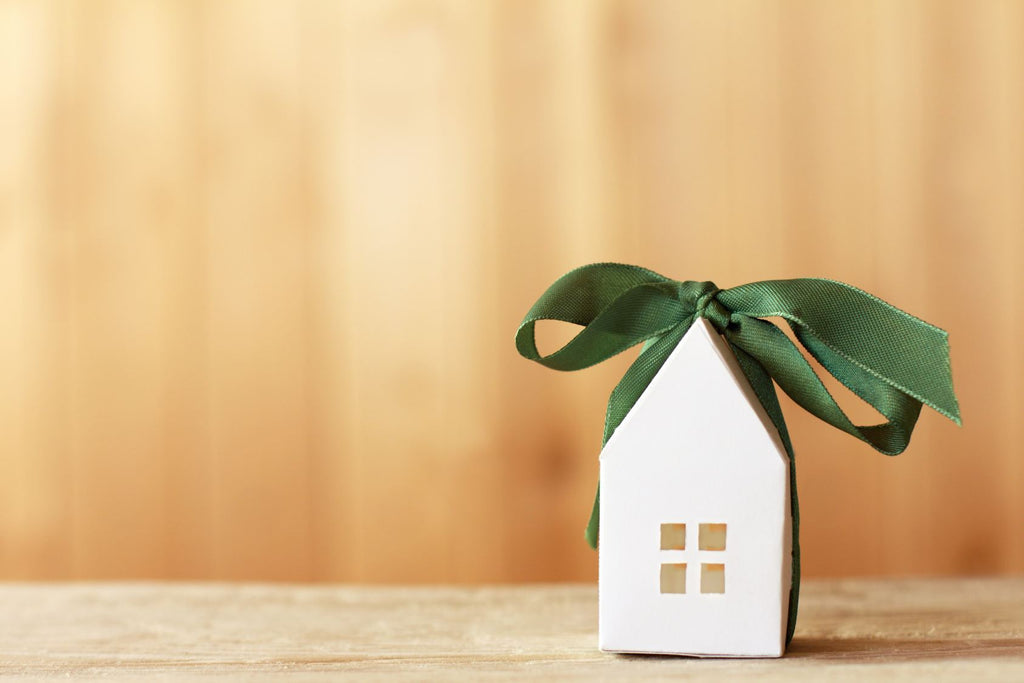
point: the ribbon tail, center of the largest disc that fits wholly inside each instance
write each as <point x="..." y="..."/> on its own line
<point x="594" y="523"/>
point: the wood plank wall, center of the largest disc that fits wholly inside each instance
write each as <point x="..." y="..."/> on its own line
<point x="261" y="263"/>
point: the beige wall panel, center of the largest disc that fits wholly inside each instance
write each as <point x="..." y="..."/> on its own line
<point x="261" y="264"/>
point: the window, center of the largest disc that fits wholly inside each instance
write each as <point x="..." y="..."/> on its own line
<point x="711" y="537"/>
<point x="673" y="578"/>
<point x="711" y="542"/>
<point x="712" y="578"/>
<point x="673" y="537"/>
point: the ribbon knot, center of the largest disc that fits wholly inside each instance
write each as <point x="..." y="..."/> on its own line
<point x="708" y="306"/>
<point x="890" y="359"/>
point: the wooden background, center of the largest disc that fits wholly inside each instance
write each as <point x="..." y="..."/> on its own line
<point x="261" y="264"/>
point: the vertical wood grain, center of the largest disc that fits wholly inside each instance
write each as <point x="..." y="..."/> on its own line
<point x="261" y="263"/>
<point x="128" y="198"/>
<point x="974" y="81"/>
<point x="34" y="512"/>
<point x="330" y="410"/>
<point x="255" y="155"/>
<point x="415" y="195"/>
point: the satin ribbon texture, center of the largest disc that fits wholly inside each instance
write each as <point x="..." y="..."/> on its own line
<point x="890" y="359"/>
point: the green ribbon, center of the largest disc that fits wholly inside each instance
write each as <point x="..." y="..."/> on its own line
<point x="889" y="358"/>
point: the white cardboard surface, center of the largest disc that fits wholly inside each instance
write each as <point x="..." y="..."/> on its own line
<point x="696" y="448"/>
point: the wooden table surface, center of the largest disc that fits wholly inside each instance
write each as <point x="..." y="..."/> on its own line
<point x="948" y="629"/>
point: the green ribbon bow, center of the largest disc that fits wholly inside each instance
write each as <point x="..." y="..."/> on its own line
<point x="889" y="358"/>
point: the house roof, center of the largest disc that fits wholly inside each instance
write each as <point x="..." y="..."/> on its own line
<point x="700" y="393"/>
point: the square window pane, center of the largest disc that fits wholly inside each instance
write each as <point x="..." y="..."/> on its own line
<point x="711" y="537"/>
<point x="673" y="537"/>
<point x="712" y="578"/>
<point x="673" y="578"/>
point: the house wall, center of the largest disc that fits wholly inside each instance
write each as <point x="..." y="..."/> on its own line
<point x="261" y="263"/>
<point x="695" y="451"/>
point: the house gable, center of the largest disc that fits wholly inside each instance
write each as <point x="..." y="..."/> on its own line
<point x="700" y="385"/>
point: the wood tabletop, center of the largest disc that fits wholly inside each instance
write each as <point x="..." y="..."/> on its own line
<point x="935" y="629"/>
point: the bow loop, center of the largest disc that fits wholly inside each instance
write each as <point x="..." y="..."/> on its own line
<point x="860" y="339"/>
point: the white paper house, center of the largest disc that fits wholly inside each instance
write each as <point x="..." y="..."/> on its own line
<point x="695" y="536"/>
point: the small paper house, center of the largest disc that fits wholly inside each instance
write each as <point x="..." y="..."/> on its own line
<point x="695" y="536"/>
